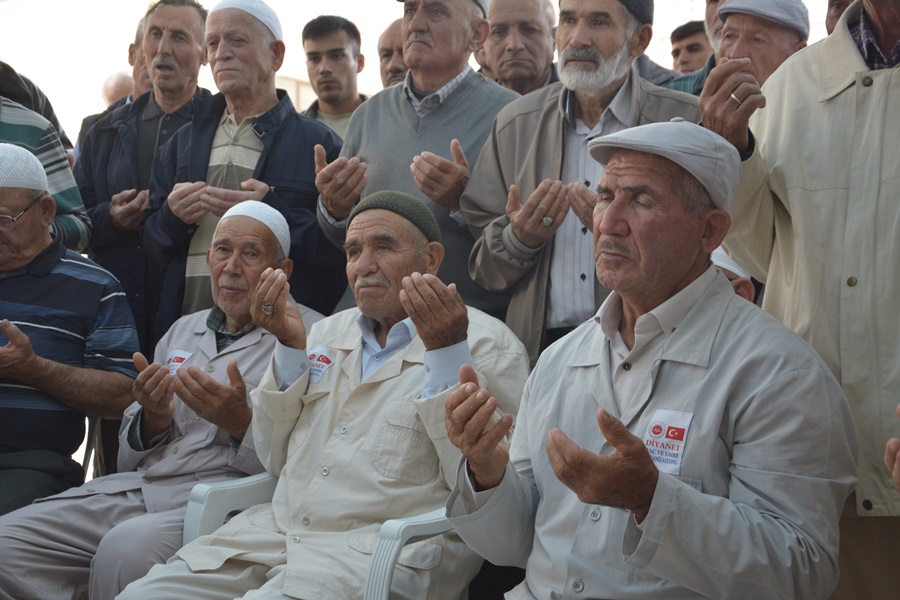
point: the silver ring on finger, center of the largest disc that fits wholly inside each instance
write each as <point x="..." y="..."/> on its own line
<point x="547" y="221"/>
<point x="268" y="309"/>
<point x="736" y="99"/>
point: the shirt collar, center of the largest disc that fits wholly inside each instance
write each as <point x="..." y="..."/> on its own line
<point x="215" y="321"/>
<point x="619" y="108"/>
<point x="665" y="317"/>
<point x="868" y="46"/>
<point x="401" y="334"/>
<point x="153" y="111"/>
<point x="431" y="101"/>
<point x="41" y="264"/>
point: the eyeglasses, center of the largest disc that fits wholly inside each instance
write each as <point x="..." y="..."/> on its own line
<point x="7" y="223"/>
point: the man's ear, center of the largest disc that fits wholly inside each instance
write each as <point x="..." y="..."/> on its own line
<point x="278" y="55"/>
<point x="287" y="265"/>
<point x="132" y="55"/>
<point x="481" y="29"/>
<point x="434" y="256"/>
<point x="641" y="40"/>
<point x="743" y="287"/>
<point x="47" y="206"/>
<point x="716" y="226"/>
<point x="360" y="63"/>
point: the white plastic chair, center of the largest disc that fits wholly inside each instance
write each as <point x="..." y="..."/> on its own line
<point x="211" y="504"/>
<point x="395" y="534"/>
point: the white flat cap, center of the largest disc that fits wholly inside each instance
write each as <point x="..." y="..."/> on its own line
<point x="266" y="215"/>
<point x="790" y="13"/>
<point x="19" y="168"/>
<point x="706" y="155"/>
<point x="257" y="8"/>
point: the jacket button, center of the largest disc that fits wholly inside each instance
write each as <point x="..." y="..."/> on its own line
<point x="210" y="368"/>
<point x="295" y="539"/>
<point x="577" y="586"/>
<point x="852" y="281"/>
<point x="325" y="471"/>
<point x="867" y="81"/>
<point x="306" y="520"/>
<point x="626" y="366"/>
<point x="867" y="504"/>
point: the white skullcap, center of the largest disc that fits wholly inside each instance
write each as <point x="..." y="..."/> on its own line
<point x="19" y="168"/>
<point x="266" y="215"/>
<point x="723" y="261"/>
<point x="257" y="8"/>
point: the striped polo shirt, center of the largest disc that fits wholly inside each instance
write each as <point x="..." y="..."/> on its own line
<point x="75" y="313"/>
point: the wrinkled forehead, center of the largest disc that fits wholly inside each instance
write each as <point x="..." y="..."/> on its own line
<point x="241" y="229"/>
<point x="233" y="21"/>
<point x="378" y="221"/>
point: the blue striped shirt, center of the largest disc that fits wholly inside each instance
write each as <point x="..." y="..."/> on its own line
<point x="75" y="313"/>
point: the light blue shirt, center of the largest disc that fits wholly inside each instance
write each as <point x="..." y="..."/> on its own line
<point x="441" y="365"/>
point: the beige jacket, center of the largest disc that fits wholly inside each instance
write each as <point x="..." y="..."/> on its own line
<point x="525" y="147"/>
<point x="817" y="218"/>
<point x="351" y="455"/>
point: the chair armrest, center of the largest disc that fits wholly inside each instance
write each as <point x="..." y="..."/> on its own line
<point x="395" y="534"/>
<point x="211" y="503"/>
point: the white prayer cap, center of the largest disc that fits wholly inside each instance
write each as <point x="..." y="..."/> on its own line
<point x="19" y="168"/>
<point x="266" y="215"/>
<point x="257" y="8"/>
<point x="706" y="155"/>
<point x="723" y="261"/>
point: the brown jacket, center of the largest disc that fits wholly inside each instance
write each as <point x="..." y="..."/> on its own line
<point x="525" y="147"/>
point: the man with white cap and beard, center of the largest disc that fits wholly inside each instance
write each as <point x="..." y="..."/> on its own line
<point x="529" y="200"/>
<point x="189" y="423"/>
<point x="681" y="443"/>
<point x="247" y="142"/>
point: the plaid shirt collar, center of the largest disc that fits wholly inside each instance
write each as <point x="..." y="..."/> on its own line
<point x="868" y="45"/>
<point x="224" y="338"/>
<point x="433" y="100"/>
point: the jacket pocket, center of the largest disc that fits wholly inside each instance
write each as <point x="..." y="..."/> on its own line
<point x="403" y="449"/>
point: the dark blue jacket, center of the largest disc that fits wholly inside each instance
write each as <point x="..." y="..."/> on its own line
<point x="287" y="165"/>
<point x="107" y="165"/>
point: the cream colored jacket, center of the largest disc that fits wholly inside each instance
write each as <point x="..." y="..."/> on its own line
<point x="352" y="454"/>
<point x="817" y="218"/>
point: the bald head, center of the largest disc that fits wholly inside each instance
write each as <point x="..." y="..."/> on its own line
<point x="117" y="86"/>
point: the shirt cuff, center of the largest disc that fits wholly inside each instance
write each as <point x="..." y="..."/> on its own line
<point x="134" y="434"/>
<point x="516" y="247"/>
<point x="457" y="215"/>
<point x="288" y="365"/>
<point x="442" y="367"/>
<point x="342" y="224"/>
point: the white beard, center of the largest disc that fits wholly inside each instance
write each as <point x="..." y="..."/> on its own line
<point x="579" y="79"/>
